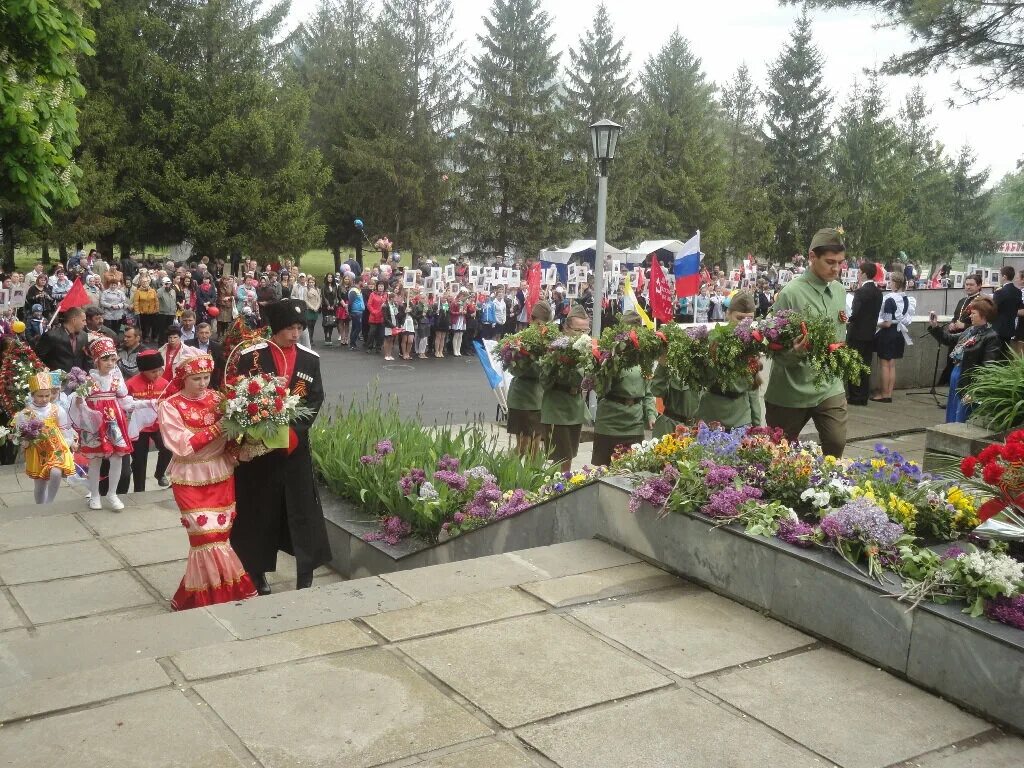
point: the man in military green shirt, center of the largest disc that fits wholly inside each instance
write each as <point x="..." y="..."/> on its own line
<point x="791" y="399"/>
<point x="624" y="412"/>
<point x="525" y="394"/>
<point x="562" y="410"/>
<point x="680" y="401"/>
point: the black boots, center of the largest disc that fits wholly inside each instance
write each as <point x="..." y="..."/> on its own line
<point x="304" y="580"/>
<point x="260" y="582"/>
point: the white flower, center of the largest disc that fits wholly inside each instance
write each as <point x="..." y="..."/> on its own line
<point x="581" y="344"/>
<point x="427" y="491"/>
<point x="1000" y="570"/>
<point x="820" y="499"/>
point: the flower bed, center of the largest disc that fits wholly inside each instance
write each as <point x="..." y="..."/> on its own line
<point x="872" y="513"/>
<point x="430" y="483"/>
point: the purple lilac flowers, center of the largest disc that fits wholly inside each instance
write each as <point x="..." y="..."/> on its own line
<point x="452" y="479"/>
<point x="655" y="491"/>
<point x="392" y="530"/>
<point x="384" y="447"/>
<point x="726" y="502"/>
<point x="795" y="532"/>
<point x="860" y="519"/>
<point x="449" y="463"/>
<point x="1007" y="610"/>
<point x="718" y="475"/>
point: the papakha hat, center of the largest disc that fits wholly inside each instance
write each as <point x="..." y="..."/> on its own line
<point x="285" y="313"/>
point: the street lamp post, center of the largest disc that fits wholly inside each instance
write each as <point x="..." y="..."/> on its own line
<point x="604" y="135"/>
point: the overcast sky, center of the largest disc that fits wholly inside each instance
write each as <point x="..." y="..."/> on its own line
<point x="729" y="32"/>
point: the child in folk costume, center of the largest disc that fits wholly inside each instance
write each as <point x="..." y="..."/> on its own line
<point x="202" y="480"/>
<point x="50" y="457"/>
<point x="101" y="417"/>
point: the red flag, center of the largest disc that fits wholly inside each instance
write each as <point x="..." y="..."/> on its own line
<point x="533" y="287"/>
<point x="76" y="297"/>
<point x="659" y="293"/>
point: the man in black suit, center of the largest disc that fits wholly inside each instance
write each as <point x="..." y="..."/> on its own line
<point x="66" y="344"/>
<point x="861" y="327"/>
<point x="204" y="343"/>
<point x="276" y="496"/>
<point x="1008" y="304"/>
<point x="961" y="320"/>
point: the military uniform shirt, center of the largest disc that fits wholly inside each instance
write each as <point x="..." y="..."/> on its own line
<point x="618" y="419"/>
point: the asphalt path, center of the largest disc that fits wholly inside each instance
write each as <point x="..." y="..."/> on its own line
<point x="453" y="389"/>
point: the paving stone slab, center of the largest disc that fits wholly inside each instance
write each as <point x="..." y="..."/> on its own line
<point x="149" y="547"/>
<point x="150" y="730"/>
<point x="1007" y="752"/>
<point x="675" y="729"/>
<point x="41" y="531"/>
<point x="9" y="618"/>
<point x="19" y="498"/>
<point x="238" y="655"/>
<point x="690" y="632"/>
<point x="532" y="667"/>
<point x="284" y="611"/>
<point x="497" y="754"/>
<point x="77" y="688"/>
<point x="47" y="601"/>
<point x="572" y="557"/>
<point x="363" y="709"/>
<point x="150" y="517"/>
<point x="600" y="585"/>
<point x="66" y="649"/>
<point x="57" y="561"/>
<point x="463" y="577"/>
<point x="845" y="709"/>
<point x="453" y="613"/>
<point x="164" y="577"/>
<point x="66" y="628"/>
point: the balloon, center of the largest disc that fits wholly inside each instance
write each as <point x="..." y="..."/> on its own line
<point x="18" y="327"/>
<point x="396" y="257"/>
<point x="212" y="311"/>
<point x="358" y="223"/>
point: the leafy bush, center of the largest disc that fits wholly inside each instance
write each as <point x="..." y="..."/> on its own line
<point x="997" y="391"/>
<point x="362" y="451"/>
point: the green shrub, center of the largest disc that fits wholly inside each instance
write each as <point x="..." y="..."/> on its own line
<point x="342" y="436"/>
<point x="997" y="391"/>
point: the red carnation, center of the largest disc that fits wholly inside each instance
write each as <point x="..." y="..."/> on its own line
<point x="254" y="387"/>
<point x="280" y="391"/>
<point x="837" y="345"/>
<point x="232" y="394"/>
<point x="989" y="453"/>
<point x="1016" y="437"/>
<point x="633" y="337"/>
<point x="775" y="346"/>
<point x="756" y="336"/>
<point x="1013" y="452"/>
<point x="201" y="520"/>
<point x="992" y="473"/>
<point x="968" y="465"/>
<point x="278" y="404"/>
<point x="253" y="409"/>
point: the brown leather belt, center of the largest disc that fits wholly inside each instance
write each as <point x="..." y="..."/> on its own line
<point x="622" y="400"/>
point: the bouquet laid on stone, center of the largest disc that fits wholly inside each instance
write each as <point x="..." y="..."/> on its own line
<point x="997" y="474"/>
<point x="622" y="347"/>
<point x="257" y="410"/>
<point x="519" y="352"/>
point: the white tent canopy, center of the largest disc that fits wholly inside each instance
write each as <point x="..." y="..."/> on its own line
<point x="584" y="250"/>
<point x="647" y="247"/>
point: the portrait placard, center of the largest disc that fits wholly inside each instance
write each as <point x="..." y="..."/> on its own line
<point x="449" y="272"/>
<point x="956" y="279"/>
<point x="474" y="272"/>
<point x="616" y="266"/>
<point x="551" y="276"/>
<point x="574" y="290"/>
<point x="429" y="286"/>
<point x="18" y="296"/>
<point x="489" y="273"/>
<point x="5" y="298"/>
<point x="410" y="278"/>
<point x="514" y="277"/>
<point x="435" y="272"/>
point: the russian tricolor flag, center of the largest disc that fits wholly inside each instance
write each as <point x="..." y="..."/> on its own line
<point x="686" y="267"/>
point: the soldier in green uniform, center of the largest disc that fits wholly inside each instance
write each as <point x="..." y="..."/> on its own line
<point x="680" y="401"/>
<point x="562" y="410"/>
<point x="792" y="399"/>
<point x="625" y="411"/>
<point x="525" y="394"/>
<point x="734" y="407"/>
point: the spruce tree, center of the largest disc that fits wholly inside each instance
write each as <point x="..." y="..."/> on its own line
<point x="749" y="220"/>
<point x="598" y="86"/>
<point x="514" y="174"/>
<point x="681" y="166"/>
<point x="797" y="136"/>
<point x="971" y="224"/>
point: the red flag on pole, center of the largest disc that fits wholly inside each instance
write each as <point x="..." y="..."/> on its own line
<point x="76" y="297"/>
<point x="533" y="287"/>
<point x="659" y="293"/>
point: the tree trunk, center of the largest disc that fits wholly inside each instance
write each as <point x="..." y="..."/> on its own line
<point x="105" y="245"/>
<point x="124" y="248"/>
<point x="359" y="252"/>
<point x="7" y="244"/>
<point x="336" y="250"/>
<point x="46" y="255"/>
<point x="62" y="252"/>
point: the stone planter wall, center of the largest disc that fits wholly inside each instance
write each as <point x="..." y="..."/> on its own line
<point x="945" y="442"/>
<point x="974" y="662"/>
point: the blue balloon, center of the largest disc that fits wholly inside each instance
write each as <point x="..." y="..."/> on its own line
<point x="396" y="256"/>
<point x="358" y="223"/>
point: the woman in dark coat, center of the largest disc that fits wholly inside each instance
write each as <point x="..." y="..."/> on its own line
<point x="976" y="346"/>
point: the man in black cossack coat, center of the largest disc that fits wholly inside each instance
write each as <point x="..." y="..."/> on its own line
<point x="861" y="327"/>
<point x="276" y="496"/>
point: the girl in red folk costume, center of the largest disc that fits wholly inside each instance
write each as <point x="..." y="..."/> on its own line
<point x="202" y="480"/>
<point x="99" y="410"/>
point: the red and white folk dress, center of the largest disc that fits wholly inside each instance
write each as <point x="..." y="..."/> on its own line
<point x="202" y="480"/>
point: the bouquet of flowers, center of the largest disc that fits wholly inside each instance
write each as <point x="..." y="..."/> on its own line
<point x="567" y="361"/>
<point x="687" y="355"/>
<point x="78" y="382"/>
<point x="257" y="409"/>
<point x="779" y="332"/>
<point x="18" y="365"/>
<point x="861" y="530"/>
<point x="383" y="245"/>
<point x="519" y="352"/>
<point x="622" y="347"/>
<point x="997" y="474"/>
<point x="731" y="365"/>
<point x="28" y="431"/>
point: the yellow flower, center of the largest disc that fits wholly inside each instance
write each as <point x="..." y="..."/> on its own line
<point x="902" y="511"/>
<point x="577" y="479"/>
